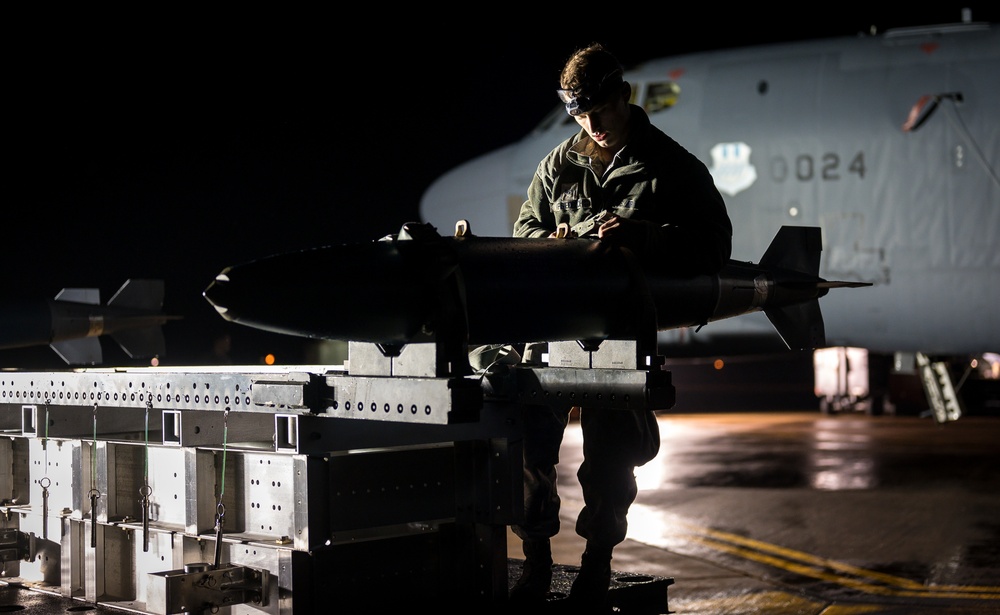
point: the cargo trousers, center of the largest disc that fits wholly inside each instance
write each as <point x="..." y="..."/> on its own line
<point x="615" y="442"/>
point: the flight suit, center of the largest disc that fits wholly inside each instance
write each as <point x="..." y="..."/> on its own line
<point x="654" y="179"/>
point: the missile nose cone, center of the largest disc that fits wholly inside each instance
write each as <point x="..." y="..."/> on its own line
<point x="216" y="293"/>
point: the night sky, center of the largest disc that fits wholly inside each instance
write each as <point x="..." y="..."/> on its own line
<point x="176" y="153"/>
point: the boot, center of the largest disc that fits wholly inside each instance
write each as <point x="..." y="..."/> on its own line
<point x="536" y="574"/>
<point x="590" y="588"/>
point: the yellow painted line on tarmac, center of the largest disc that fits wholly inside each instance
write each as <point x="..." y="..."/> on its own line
<point x="832" y="571"/>
<point x="772" y="603"/>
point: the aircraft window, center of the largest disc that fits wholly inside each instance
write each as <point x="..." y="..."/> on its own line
<point x="661" y="95"/>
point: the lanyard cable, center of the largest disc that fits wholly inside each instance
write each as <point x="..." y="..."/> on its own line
<point x="145" y="490"/>
<point x="220" y="507"/>
<point x="94" y="493"/>
<point x="45" y="480"/>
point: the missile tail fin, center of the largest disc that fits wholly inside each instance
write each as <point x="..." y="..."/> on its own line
<point x="800" y="325"/>
<point x="141" y="342"/>
<point x="795" y="248"/>
<point x="145" y="295"/>
<point x="81" y="351"/>
<point x="91" y="296"/>
<point x="139" y="294"/>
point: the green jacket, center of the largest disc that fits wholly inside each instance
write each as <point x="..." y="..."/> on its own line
<point x="655" y="180"/>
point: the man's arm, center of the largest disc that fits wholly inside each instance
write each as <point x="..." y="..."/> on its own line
<point x="697" y="240"/>
<point x="535" y="218"/>
<point x="696" y="237"/>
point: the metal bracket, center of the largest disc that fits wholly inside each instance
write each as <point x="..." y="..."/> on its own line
<point x="16" y="545"/>
<point x="198" y="587"/>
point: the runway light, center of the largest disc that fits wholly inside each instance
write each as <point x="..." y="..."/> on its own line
<point x="269" y="359"/>
<point x="719" y="364"/>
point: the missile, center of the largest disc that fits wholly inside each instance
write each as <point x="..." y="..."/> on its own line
<point x="72" y="322"/>
<point x="416" y="284"/>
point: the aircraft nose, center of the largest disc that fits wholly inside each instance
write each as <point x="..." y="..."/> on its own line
<point x="476" y="191"/>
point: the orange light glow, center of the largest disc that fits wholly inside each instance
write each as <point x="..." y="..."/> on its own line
<point x="269" y="359"/>
<point x="718" y="364"/>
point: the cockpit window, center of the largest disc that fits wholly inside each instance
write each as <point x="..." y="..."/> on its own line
<point x="660" y="95"/>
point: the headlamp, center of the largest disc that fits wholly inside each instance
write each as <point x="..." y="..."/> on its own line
<point x="584" y="98"/>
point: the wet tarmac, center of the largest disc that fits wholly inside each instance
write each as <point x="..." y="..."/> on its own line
<point x="791" y="512"/>
<point x="797" y="512"/>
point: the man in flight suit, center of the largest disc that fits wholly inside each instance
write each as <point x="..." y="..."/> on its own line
<point x="663" y="207"/>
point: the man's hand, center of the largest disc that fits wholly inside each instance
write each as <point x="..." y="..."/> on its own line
<point x="623" y="232"/>
<point x="563" y="231"/>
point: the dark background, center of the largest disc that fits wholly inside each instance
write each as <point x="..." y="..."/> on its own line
<point x="173" y="147"/>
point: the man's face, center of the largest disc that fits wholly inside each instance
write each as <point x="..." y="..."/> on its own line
<point x="607" y="123"/>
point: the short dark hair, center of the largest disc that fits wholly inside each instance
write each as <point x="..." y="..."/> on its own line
<point x="589" y="68"/>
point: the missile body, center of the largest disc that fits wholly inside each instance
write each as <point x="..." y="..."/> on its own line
<point x="412" y="286"/>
